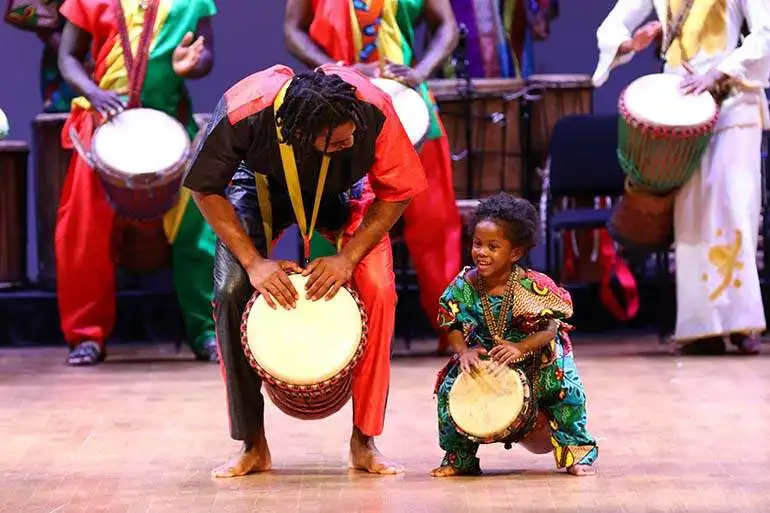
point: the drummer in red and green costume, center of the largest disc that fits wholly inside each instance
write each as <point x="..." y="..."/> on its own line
<point x="363" y="33"/>
<point x="181" y="48"/>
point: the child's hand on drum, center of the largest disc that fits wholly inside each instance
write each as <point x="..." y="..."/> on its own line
<point x="469" y="359"/>
<point x="326" y="276"/>
<point x="505" y="352"/>
<point x="269" y="278"/>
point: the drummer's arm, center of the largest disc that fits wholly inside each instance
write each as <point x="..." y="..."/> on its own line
<point x="296" y="31"/>
<point x="209" y="175"/>
<point x="206" y="60"/>
<point x="396" y="177"/>
<point x="73" y="48"/>
<point x="614" y="34"/>
<point x="441" y="22"/>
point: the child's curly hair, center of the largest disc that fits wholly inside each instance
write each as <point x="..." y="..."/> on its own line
<point x="517" y="217"/>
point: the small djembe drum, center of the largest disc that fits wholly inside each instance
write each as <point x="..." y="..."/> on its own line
<point x="306" y="356"/>
<point x="493" y="404"/>
<point x="663" y="135"/>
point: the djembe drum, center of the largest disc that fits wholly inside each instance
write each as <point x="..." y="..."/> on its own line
<point x="493" y="404"/>
<point x="306" y="356"/>
<point x="491" y="160"/>
<point x="663" y="135"/>
<point x="560" y="96"/>
<point x="410" y="109"/>
<point x="13" y="213"/>
<point x="140" y="155"/>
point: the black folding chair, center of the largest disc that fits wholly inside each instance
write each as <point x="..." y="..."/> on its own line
<point x="583" y="163"/>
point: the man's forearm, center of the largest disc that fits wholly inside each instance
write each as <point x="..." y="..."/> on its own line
<point x="221" y="215"/>
<point x="441" y="46"/>
<point x="303" y="48"/>
<point x="378" y="219"/>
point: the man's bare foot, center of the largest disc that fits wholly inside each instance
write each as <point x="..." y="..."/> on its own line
<point x="449" y="471"/>
<point x="365" y="456"/>
<point x="581" y="470"/>
<point x="254" y="457"/>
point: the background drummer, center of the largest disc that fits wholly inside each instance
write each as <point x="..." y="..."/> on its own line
<point x="56" y="93"/>
<point x="337" y="30"/>
<point x="85" y="265"/>
<point x="343" y="115"/>
<point x="717" y="213"/>
<point x="508" y="49"/>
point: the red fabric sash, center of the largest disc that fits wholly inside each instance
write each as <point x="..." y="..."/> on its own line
<point x="330" y="29"/>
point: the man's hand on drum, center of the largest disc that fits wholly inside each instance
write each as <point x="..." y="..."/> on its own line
<point x="326" y="275"/>
<point x="406" y="74"/>
<point x="642" y="38"/>
<point x="469" y="359"/>
<point x="505" y="352"/>
<point x="106" y="103"/>
<point x="697" y="84"/>
<point x="270" y="278"/>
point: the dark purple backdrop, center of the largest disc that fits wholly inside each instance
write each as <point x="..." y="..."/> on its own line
<point x="248" y="37"/>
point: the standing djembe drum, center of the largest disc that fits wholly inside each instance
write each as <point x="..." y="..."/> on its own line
<point x="663" y="135"/>
<point x="306" y="356"/>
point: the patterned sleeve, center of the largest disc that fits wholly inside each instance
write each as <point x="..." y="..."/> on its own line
<point x="545" y="301"/>
<point x="455" y="307"/>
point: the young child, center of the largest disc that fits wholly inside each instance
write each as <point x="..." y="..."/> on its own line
<point x="531" y="331"/>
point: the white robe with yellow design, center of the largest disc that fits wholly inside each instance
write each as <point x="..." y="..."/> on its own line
<point x="718" y="211"/>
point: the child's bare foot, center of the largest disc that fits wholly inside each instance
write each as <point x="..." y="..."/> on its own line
<point x="581" y="470"/>
<point x="254" y="457"/>
<point x="365" y="456"/>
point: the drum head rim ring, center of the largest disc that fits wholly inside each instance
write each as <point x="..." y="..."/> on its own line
<point x="527" y="414"/>
<point x="328" y="383"/>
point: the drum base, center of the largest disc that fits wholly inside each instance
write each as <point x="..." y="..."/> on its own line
<point x="312" y="408"/>
<point x="141" y="247"/>
<point x="643" y="222"/>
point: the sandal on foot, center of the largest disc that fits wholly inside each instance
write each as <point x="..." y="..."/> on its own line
<point x="746" y="344"/>
<point x="208" y="353"/>
<point x="86" y="353"/>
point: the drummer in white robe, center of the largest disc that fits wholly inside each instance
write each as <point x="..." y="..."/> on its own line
<point x="717" y="212"/>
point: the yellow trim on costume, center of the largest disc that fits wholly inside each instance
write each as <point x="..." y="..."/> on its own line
<point x="172" y="219"/>
<point x="115" y="77"/>
<point x="705" y="30"/>
<point x="289" y="163"/>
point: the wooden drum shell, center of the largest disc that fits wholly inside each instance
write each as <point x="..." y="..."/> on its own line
<point x="13" y="213"/>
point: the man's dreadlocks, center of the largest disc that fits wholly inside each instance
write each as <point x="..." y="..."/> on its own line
<point x="316" y="102"/>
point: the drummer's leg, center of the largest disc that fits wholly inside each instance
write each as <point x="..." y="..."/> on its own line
<point x="563" y="399"/>
<point x="459" y="452"/>
<point x="194" y="248"/>
<point x="374" y="280"/>
<point x="232" y="290"/>
<point x="433" y="229"/>
<point x="85" y="270"/>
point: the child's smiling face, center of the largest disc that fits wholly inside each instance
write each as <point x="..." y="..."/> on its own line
<point x="492" y="252"/>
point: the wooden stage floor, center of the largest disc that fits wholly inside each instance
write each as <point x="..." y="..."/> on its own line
<point x="141" y="432"/>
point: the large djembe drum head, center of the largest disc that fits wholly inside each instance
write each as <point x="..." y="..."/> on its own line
<point x="306" y="355"/>
<point x="492" y="404"/>
<point x="410" y="108"/>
